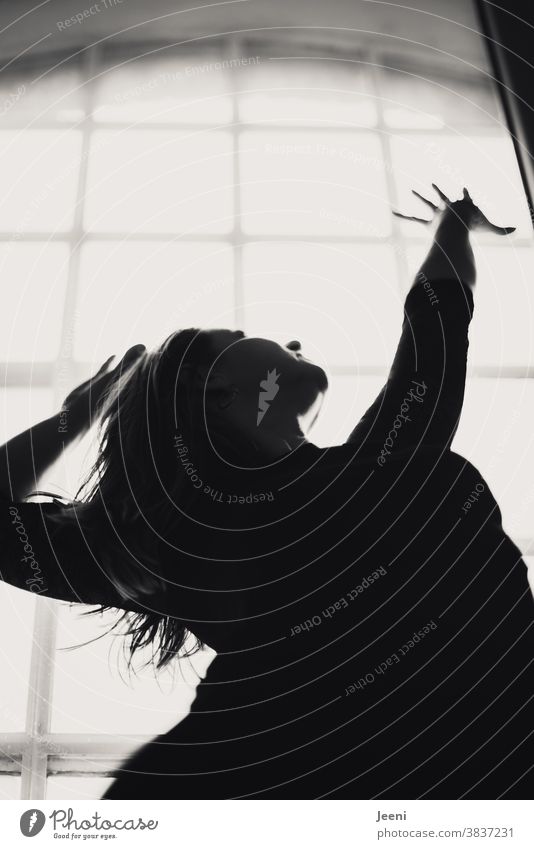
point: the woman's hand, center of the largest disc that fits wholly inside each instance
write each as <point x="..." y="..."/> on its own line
<point x="26" y="457"/>
<point x="464" y="211"/>
<point x="82" y="404"/>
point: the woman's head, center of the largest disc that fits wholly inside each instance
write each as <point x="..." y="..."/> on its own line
<point x="229" y="398"/>
<point x="254" y="390"/>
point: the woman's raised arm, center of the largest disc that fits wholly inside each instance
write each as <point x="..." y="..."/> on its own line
<point x="421" y="402"/>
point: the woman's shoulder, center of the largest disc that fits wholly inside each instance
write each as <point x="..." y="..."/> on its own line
<point x="424" y="465"/>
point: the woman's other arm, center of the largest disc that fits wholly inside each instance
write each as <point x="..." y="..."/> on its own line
<point x="25" y="458"/>
<point x="38" y="552"/>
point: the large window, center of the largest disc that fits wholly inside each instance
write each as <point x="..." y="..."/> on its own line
<point x="230" y="187"/>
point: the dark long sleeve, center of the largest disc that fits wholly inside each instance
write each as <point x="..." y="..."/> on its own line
<point x="43" y="556"/>
<point x="421" y="402"/>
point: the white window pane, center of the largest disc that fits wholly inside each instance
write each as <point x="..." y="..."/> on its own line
<point x="169" y="87"/>
<point x="35" y="276"/>
<point x="503" y="323"/>
<point x="502" y="330"/>
<point x="73" y="467"/>
<point x="22" y="408"/>
<point x="69" y="787"/>
<point x="496" y="434"/>
<point x="31" y="92"/>
<point x="131" y="293"/>
<point x="485" y="164"/>
<point x="330" y="184"/>
<point x="341" y="302"/>
<point x="414" y="254"/>
<point x="346" y="401"/>
<point x="16" y="628"/>
<point x="39" y="174"/>
<point x="94" y="694"/>
<point x="423" y="98"/>
<point x="305" y="91"/>
<point x="154" y="181"/>
<point x="9" y="787"/>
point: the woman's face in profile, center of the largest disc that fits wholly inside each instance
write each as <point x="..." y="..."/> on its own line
<point x="244" y="364"/>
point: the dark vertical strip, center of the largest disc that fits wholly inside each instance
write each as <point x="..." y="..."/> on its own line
<point x="509" y="38"/>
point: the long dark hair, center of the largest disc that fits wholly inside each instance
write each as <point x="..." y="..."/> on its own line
<point x="134" y="492"/>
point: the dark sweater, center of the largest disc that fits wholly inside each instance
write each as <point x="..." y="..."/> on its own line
<point x="375" y="633"/>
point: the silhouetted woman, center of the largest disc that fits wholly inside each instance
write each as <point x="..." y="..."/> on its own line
<point x="372" y="621"/>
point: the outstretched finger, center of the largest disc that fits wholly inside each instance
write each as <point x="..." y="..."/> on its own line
<point x="467" y="196"/>
<point x="442" y="195"/>
<point x="502" y="231"/>
<point x="133" y="354"/>
<point x="129" y="358"/>
<point x="411" y="217"/>
<point x="434" y="207"/>
<point x="104" y="367"/>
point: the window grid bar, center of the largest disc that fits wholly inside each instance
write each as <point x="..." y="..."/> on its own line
<point x="42" y="667"/>
<point x="124" y="236"/>
<point x="232" y="51"/>
<point x="268" y="126"/>
<point x="384" y="132"/>
<point x="40" y="688"/>
<point x="26" y="375"/>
